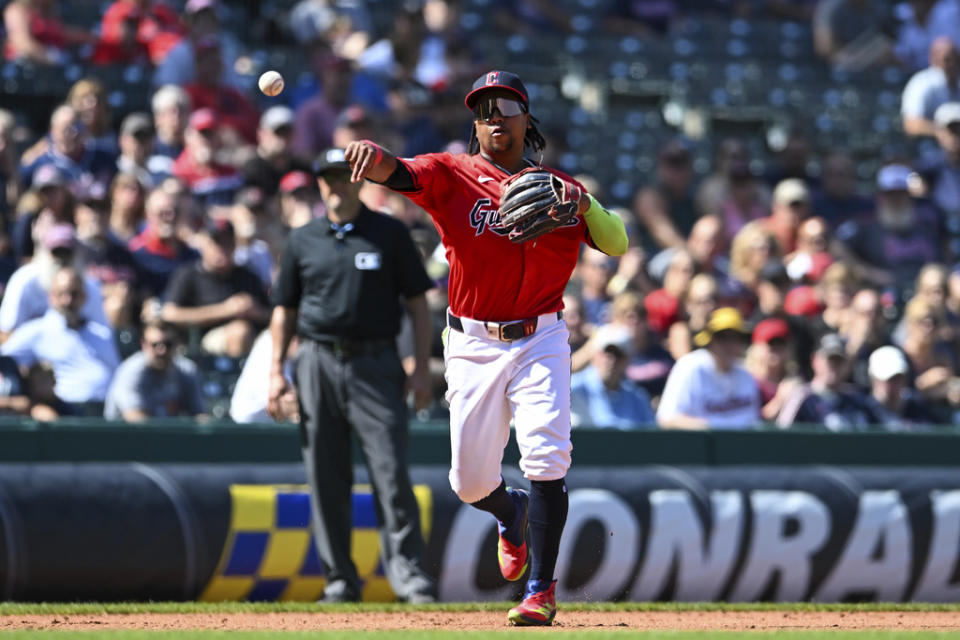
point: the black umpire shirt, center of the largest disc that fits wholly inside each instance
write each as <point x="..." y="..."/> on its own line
<point x="347" y="283"/>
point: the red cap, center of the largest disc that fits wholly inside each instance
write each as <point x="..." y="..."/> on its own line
<point x="295" y="180"/>
<point x="770" y="329"/>
<point x="802" y="301"/>
<point x="662" y="310"/>
<point x="203" y="119"/>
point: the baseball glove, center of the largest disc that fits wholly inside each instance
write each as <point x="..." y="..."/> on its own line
<point x="534" y="202"/>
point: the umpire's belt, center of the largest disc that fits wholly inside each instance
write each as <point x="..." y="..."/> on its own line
<point x="503" y="331"/>
<point x="343" y="348"/>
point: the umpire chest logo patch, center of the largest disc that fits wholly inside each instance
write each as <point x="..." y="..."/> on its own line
<point x="367" y="261"/>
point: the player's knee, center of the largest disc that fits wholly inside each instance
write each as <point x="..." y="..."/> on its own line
<point x="546" y="465"/>
<point x="469" y="491"/>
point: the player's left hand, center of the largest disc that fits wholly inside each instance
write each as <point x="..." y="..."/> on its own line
<point x="419" y="384"/>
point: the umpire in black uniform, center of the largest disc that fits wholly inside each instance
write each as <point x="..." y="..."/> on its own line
<point x="339" y="288"/>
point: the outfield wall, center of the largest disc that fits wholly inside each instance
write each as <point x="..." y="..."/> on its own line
<point x="122" y="531"/>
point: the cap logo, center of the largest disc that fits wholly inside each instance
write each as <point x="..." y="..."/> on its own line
<point x="336" y="155"/>
<point x="493" y="78"/>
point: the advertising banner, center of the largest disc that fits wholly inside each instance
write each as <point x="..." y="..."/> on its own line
<point x="243" y="532"/>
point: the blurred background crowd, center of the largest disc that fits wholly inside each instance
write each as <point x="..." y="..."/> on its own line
<point x="788" y="171"/>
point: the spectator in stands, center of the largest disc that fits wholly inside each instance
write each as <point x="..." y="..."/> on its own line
<point x="709" y="388"/>
<point x="249" y="400"/>
<point x="595" y="270"/>
<point x="931" y="87"/>
<point x="89" y="99"/>
<point x="81" y="350"/>
<point x="864" y="330"/>
<point x="932" y="361"/>
<point x="731" y="191"/>
<point x="791" y="206"/>
<point x="576" y="324"/>
<point x="178" y="67"/>
<point x="34" y="33"/>
<point x="931" y="287"/>
<point x="9" y="175"/>
<point x="837" y="200"/>
<point x="666" y="207"/>
<point x="412" y="120"/>
<point x="56" y="204"/>
<point x="601" y="395"/>
<point x="253" y="250"/>
<point x="941" y="173"/>
<point x="137" y="31"/>
<point x="908" y="236"/>
<point x="236" y="114"/>
<point x="649" y="363"/>
<point x="663" y="305"/>
<point x="299" y="199"/>
<point x="708" y="247"/>
<point x="67" y="151"/>
<point x="751" y="251"/>
<point x="922" y="23"/>
<point x="828" y="400"/>
<point x="812" y="257"/>
<point x="274" y="158"/>
<point x="228" y="303"/>
<point x="157" y="250"/>
<point x="127" y="196"/>
<point x="702" y="299"/>
<point x="333" y="90"/>
<point x="26" y="296"/>
<point x="896" y="403"/>
<point x="155" y="382"/>
<point x="849" y="34"/>
<point x="209" y="181"/>
<point x="136" y="147"/>
<point x="14" y="394"/>
<point x="353" y="123"/>
<point x="171" y="111"/>
<point x="311" y="21"/>
<point x="771" y="289"/>
<point x="107" y="261"/>
<point x="770" y="361"/>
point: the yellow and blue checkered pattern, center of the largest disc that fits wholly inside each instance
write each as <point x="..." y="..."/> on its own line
<point x="270" y="554"/>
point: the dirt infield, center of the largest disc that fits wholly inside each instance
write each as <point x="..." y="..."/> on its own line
<point x="488" y="620"/>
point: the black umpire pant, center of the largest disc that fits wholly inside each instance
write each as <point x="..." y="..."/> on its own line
<point x="363" y="391"/>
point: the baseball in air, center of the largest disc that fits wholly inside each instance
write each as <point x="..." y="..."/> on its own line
<point x="271" y="83"/>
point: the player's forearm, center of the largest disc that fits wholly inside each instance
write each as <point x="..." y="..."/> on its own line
<point x="282" y="325"/>
<point x="369" y="160"/>
<point x="420" y="316"/>
<point x="606" y="229"/>
<point x="919" y="127"/>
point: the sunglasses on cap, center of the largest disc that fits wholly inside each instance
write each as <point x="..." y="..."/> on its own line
<point x="485" y="107"/>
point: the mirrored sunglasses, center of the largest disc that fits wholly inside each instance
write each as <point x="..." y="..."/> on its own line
<point x="485" y="107"/>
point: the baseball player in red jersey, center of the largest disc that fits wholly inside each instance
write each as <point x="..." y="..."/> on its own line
<point x="506" y="343"/>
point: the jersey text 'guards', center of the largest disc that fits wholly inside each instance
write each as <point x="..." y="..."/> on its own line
<point x="491" y="278"/>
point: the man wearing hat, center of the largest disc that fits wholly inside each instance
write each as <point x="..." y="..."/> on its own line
<point x="299" y="200"/>
<point x="507" y="355"/>
<point x="210" y="182"/>
<point x="791" y="205"/>
<point x="709" y="388"/>
<point x="601" y="395"/>
<point x="179" y="65"/>
<point x="829" y="400"/>
<point x="909" y="235"/>
<point x="274" y="158"/>
<point x="339" y="291"/>
<point x="666" y="207"/>
<point x="136" y="147"/>
<point x="894" y="399"/>
<point x="225" y="301"/>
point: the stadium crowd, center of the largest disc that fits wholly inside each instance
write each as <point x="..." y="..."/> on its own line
<point x="137" y="252"/>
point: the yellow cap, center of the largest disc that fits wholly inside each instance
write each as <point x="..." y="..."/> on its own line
<point x="723" y="319"/>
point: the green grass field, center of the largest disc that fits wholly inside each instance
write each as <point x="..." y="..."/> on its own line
<point x="10" y="611"/>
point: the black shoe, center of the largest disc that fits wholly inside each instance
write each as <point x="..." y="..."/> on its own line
<point x="338" y="593"/>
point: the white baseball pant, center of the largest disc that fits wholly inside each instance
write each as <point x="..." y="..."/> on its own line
<point x="488" y="381"/>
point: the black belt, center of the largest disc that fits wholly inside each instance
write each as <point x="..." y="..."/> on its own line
<point x="343" y="348"/>
<point x="504" y="331"/>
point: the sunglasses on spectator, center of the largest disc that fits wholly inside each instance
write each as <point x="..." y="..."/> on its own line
<point x="160" y="343"/>
<point x="485" y="108"/>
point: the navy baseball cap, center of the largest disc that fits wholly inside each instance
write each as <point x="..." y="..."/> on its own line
<point x="330" y="160"/>
<point x="497" y="80"/>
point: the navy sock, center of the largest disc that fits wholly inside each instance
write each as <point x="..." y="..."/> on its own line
<point x="500" y="504"/>
<point x="548" y="515"/>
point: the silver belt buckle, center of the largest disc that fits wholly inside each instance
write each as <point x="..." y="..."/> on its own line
<point x="493" y="330"/>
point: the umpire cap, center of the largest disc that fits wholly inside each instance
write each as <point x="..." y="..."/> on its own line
<point x="330" y="160"/>
<point x="497" y="80"/>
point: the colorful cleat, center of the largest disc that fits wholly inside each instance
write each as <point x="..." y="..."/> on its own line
<point x="538" y="608"/>
<point x="514" y="558"/>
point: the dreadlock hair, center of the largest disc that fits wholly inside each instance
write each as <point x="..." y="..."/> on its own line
<point x="532" y="138"/>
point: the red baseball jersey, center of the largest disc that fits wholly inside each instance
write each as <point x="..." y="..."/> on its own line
<point x="491" y="278"/>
